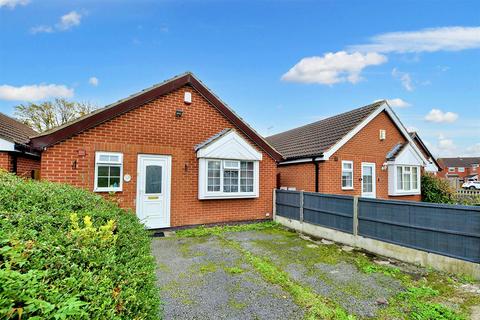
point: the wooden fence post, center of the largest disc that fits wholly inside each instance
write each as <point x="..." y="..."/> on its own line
<point x="355" y="216"/>
<point x="301" y="206"/>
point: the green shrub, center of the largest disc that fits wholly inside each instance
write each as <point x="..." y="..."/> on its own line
<point x="68" y="253"/>
<point x="436" y="190"/>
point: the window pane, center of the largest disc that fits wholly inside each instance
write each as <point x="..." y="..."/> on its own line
<point x="399" y="178"/>
<point x="103" y="171"/>
<point x="367" y="179"/>
<point x="104" y="158"/>
<point x="153" y="179"/>
<point x="230" y="181"/>
<point x="347" y="179"/>
<point x="246" y="176"/>
<point x="213" y="174"/>
<point x="415" y="178"/>
<point x="115" y="171"/>
<point x="114" y="182"/>
<point x="347" y="165"/>
<point x="406" y="180"/>
<point x="102" y="182"/>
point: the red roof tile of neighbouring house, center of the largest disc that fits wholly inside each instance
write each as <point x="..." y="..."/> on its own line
<point x="14" y="131"/>
<point x="315" y="138"/>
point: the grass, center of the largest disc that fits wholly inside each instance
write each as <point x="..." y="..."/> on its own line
<point x="425" y="296"/>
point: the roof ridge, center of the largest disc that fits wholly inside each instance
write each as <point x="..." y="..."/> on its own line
<point x="380" y="102"/>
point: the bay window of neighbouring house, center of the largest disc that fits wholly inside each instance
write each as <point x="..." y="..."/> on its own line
<point x="347" y="175"/>
<point x="406" y="180"/>
<point x="108" y="171"/>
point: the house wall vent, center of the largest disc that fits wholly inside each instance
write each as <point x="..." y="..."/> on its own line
<point x="383" y="134"/>
<point x="187" y="97"/>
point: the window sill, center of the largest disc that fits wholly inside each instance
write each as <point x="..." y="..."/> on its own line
<point x="347" y="189"/>
<point x="228" y="196"/>
<point x="405" y="193"/>
<point x="107" y="190"/>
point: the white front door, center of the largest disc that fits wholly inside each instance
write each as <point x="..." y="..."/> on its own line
<point x="153" y="190"/>
<point x="368" y="180"/>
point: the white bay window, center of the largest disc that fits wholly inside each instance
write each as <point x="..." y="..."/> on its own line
<point x="229" y="167"/>
<point x="404" y="171"/>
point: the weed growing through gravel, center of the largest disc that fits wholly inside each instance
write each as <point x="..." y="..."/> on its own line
<point x="425" y="296"/>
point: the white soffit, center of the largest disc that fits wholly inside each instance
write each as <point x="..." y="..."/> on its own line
<point x="6" y="145"/>
<point x="230" y="146"/>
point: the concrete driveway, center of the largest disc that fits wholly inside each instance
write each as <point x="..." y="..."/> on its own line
<point x="275" y="274"/>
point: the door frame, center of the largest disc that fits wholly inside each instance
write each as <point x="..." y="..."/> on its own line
<point x="167" y="189"/>
<point x="373" y="194"/>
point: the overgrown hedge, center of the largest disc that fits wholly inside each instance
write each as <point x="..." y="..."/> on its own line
<point x="68" y="253"/>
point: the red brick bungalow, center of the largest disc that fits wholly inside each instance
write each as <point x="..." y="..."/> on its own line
<point x="366" y="152"/>
<point x="173" y="153"/>
<point x="15" y="155"/>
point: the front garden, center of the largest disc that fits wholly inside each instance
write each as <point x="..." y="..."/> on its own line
<point x="66" y="253"/>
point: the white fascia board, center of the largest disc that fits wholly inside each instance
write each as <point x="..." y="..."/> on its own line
<point x="305" y="160"/>
<point x="405" y="133"/>
<point x="353" y="132"/>
<point x="384" y="107"/>
<point x="230" y="146"/>
<point x="6" y="145"/>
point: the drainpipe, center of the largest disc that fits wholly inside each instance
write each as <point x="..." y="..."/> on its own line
<point x="317" y="169"/>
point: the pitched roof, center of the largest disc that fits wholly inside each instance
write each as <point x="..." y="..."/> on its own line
<point x="395" y="151"/>
<point x="315" y="138"/>
<point x="423" y="147"/>
<point x="14" y="131"/>
<point x="212" y="138"/>
<point x="120" y="107"/>
<point x="459" y="161"/>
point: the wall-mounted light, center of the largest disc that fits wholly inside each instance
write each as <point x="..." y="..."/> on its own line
<point x="178" y="113"/>
<point x="384" y="166"/>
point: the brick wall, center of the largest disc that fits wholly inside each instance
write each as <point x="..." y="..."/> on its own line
<point x="365" y="146"/>
<point x="5" y="161"/>
<point x="154" y="129"/>
<point x="25" y="166"/>
<point x="301" y="176"/>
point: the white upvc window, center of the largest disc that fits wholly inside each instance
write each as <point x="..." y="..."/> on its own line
<point x="461" y="169"/>
<point x="347" y="175"/>
<point x="407" y="179"/>
<point x="222" y="178"/>
<point x="108" y="171"/>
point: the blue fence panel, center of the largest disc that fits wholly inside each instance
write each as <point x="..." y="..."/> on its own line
<point x="331" y="211"/>
<point x="450" y="230"/>
<point x="288" y="204"/>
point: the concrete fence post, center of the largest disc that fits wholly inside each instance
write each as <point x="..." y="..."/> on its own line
<point x="274" y="204"/>
<point x="355" y="216"/>
<point x="301" y="206"/>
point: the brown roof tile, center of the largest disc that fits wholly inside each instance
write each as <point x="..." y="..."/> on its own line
<point x="14" y="131"/>
<point x="315" y="138"/>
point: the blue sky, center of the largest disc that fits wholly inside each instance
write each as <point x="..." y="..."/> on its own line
<point x="279" y="64"/>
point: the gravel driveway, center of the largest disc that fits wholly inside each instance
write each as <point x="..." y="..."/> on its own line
<point x="215" y="277"/>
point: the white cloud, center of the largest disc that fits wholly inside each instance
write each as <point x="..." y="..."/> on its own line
<point x="398" y="103"/>
<point x="404" y="78"/>
<point x="425" y="40"/>
<point x="474" y="150"/>
<point x="41" y="29"/>
<point x="437" y="115"/>
<point x="333" y="67"/>
<point x="34" y="92"/>
<point x="13" y="3"/>
<point x="93" y="81"/>
<point x="67" y="21"/>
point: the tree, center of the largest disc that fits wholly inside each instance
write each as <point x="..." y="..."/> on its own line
<point x="50" y="114"/>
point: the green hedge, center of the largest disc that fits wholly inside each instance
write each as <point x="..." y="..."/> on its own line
<point x="68" y="253"/>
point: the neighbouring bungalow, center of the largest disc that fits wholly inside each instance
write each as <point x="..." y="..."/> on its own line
<point x="174" y="153"/>
<point x="15" y="155"/>
<point x="366" y="152"/>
